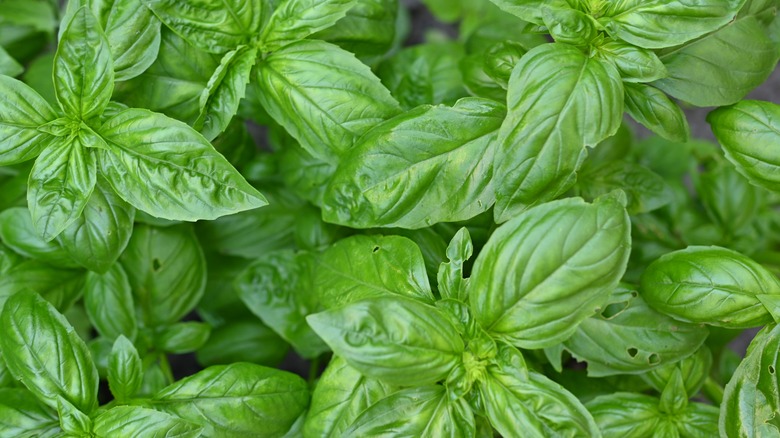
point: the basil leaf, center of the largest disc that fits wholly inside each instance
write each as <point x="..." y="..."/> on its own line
<point x="655" y="24"/>
<point x="237" y="400"/>
<point x="645" y="190"/>
<point x="630" y="337"/>
<point x="294" y="20"/>
<point x="361" y="267"/>
<point x="340" y="396"/>
<point x="729" y="199"/>
<point x="748" y="132"/>
<point x="216" y="27"/>
<point x="219" y="100"/>
<point x="182" y="337"/>
<point x="652" y="109"/>
<point x="567" y="25"/>
<point x="243" y="341"/>
<point x="634" y="64"/>
<point x="72" y="421"/>
<point x="699" y="420"/>
<point x="61" y="287"/>
<point x="326" y="120"/>
<point x="17" y="232"/>
<point x="368" y="30"/>
<point x="695" y="370"/>
<point x="108" y="301"/>
<point x="710" y="285"/>
<point x="450" y="275"/>
<point x="83" y="68"/>
<point x="8" y="65"/>
<point x="22" y="111"/>
<point x="544" y="272"/>
<point x="674" y="399"/>
<point x="752" y="397"/>
<point x="278" y="288"/>
<point x="37" y="341"/>
<point x="553" y="117"/>
<point x="701" y="72"/>
<point x="165" y="168"/>
<point x="530" y="10"/>
<point x="422" y="411"/>
<point x="625" y="414"/>
<point x="23" y="415"/>
<point x="138" y="421"/>
<point x="97" y="238"/>
<point x="398" y="340"/>
<point x="166" y="269"/>
<point x="402" y="173"/>
<point x="125" y="370"/>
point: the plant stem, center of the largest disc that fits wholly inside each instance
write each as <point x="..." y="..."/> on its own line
<point x="713" y="391"/>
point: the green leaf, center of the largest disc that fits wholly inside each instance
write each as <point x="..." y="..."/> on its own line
<point x="243" y="341"/>
<point x="361" y="267"/>
<point x="674" y="399"/>
<point x="645" y="190"/>
<point x="652" y="109"/>
<point x="237" y="400"/>
<point x="567" y="25"/>
<point x="629" y="337"/>
<point x="83" y="68"/>
<point x="749" y="132"/>
<point x="702" y="72"/>
<point x="166" y="269"/>
<point x="729" y="199"/>
<point x="141" y="422"/>
<point x="97" y="238"/>
<point x="529" y="10"/>
<point x="22" y="415"/>
<point x="182" y="337"/>
<point x="108" y="301"/>
<point x="544" y="272"/>
<point x="398" y="340"/>
<point x="625" y="414"/>
<point x="536" y="404"/>
<point x="294" y="20"/>
<point x="72" y="421"/>
<point x="752" y="397"/>
<point x="214" y="26"/>
<point x="695" y="370"/>
<point x="219" y="100"/>
<point x="37" y="342"/>
<point x="61" y="287"/>
<point x="278" y="288"/>
<point x="422" y="411"/>
<point x="341" y="394"/>
<point x="18" y="233"/>
<point x="22" y="111"/>
<point x="710" y="285"/>
<point x="450" y="275"/>
<point x="8" y="65"/>
<point x="125" y="371"/>
<point x="429" y="165"/>
<point x="133" y="34"/>
<point x="165" y="168"/>
<point x="655" y="24"/>
<point x="323" y="96"/>
<point x="699" y="420"/>
<point x="550" y="120"/>
<point x="633" y="63"/>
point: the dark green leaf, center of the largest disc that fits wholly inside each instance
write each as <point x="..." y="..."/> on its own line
<point x="72" y="421"/>
<point x="61" y="287"/>
<point x="567" y="25"/>
<point x="109" y="304"/>
<point x="17" y="232"/>
<point x="625" y="414"/>
<point x="650" y="107"/>
<point x="37" y="342"/>
<point x="645" y="190"/>
<point x="22" y="415"/>
<point x="136" y="421"/>
<point x="22" y="111"/>
<point x="369" y="30"/>
<point x="182" y="337"/>
<point x="294" y="20"/>
<point x="8" y="65"/>
<point x="133" y="34"/>
<point x="634" y="64"/>
<point x="243" y="341"/>
<point x="125" y="371"/>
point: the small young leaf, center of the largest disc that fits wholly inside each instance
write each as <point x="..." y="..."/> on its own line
<point x="125" y="371"/>
<point x="656" y="112"/>
<point x="674" y="399"/>
<point x="182" y="337"/>
<point x="294" y="20"/>
<point x="626" y="414"/>
<point x="633" y="63"/>
<point x="450" y="276"/>
<point x="72" y="420"/>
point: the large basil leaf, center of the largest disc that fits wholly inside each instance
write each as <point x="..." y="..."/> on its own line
<point x="630" y="337"/>
<point x="710" y="285"/>
<point x="37" y="341"/>
<point x="398" y="340"/>
<point x="626" y="415"/>
<point x="237" y="400"/>
<point x="165" y="168"/>
<point x="655" y="24"/>
<point x="655" y="111"/>
<point x="22" y="111"/>
<point x="213" y="26"/>
<point x="83" y="68"/>
<point x="702" y="72"/>
<point x="108" y="301"/>
<point x="361" y="267"/>
<point x="749" y="133"/>
<point x="139" y="422"/>
<point x="323" y="96"/>
<point x="278" y="289"/>
<point x="17" y="232"/>
<point x="423" y="411"/>
<point x="645" y="190"/>
<point x="219" y="100"/>
<point x="61" y="287"/>
<point x="341" y="394"/>
<point x="294" y="20"/>
<point x="429" y="165"/>
<point x="547" y="270"/>
<point x="550" y="120"/>
<point x="368" y="30"/>
<point x="752" y="397"/>
<point x="97" y="238"/>
<point x="22" y="415"/>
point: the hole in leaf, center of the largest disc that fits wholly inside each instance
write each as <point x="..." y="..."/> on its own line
<point x="156" y="265"/>
<point x="376" y="248"/>
<point x="771" y="369"/>
<point x="614" y="310"/>
<point x="634" y="293"/>
<point x="632" y="351"/>
<point x="653" y="359"/>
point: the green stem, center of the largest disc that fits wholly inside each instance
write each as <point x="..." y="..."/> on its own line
<point x="165" y="366"/>
<point x="713" y="391"/>
<point x="314" y="369"/>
